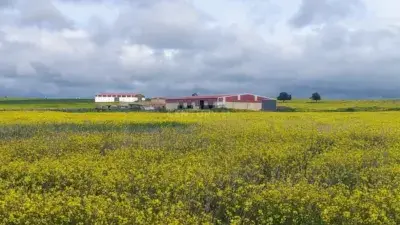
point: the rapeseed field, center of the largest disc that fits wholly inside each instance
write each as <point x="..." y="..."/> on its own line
<point x="199" y="168"/>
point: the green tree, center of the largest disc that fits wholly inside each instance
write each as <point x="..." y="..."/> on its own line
<point x="284" y="96"/>
<point x="315" y="96"/>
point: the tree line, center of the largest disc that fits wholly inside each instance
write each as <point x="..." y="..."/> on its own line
<point x="284" y="96"/>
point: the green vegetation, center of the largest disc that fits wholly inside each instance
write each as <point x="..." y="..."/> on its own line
<point x="284" y="96"/>
<point x="315" y="96"/>
<point x="306" y="105"/>
<point x="294" y="105"/>
<point x="40" y="103"/>
<point x="199" y="168"/>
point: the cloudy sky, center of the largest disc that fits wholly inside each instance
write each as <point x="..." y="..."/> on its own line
<point x="76" y="48"/>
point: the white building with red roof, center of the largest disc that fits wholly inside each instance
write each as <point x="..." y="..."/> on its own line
<point x="118" y="97"/>
<point x="245" y="101"/>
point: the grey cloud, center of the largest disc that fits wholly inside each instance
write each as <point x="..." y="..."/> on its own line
<point x="6" y="3"/>
<point x="359" y="45"/>
<point x="166" y="24"/>
<point x="100" y="33"/>
<point x="334" y="60"/>
<point x="342" y="89"/>
<point x="7" y="71"/>
<point x="42" y="13"/>
<point x="322" y="11"/>
<point x="359" y="65"/>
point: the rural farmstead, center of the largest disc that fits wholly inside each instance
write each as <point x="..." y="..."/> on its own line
<point x="118" y="97"/>
<point x="237" y="101"/>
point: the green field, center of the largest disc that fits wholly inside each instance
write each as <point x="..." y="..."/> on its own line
<point x="305" y="105"/>
<point x="39" y="103"/>
<point x="297" y="105"/>
<point x="200" y="168"/>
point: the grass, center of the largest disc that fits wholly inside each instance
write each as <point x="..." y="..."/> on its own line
<point x="305" y="105"/>
<point x="38" y="103"/>
<point x="199" y="168"/>
<point x="297" y="105"/>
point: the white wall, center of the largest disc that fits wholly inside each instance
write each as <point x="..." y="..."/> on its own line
<point x="243" y="105"/>
<point x="121" y="99"/>
<point x="171" y="106"/>
<point x="104" y="99"/>
<point x="128" y="99"/>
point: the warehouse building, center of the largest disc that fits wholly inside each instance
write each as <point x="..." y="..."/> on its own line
<point x="118" y="97"/>
<point x="155" y="103"/>
<point x="238" y="101"/>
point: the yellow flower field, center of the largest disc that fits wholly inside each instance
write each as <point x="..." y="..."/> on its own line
<point x="199" y="168"/>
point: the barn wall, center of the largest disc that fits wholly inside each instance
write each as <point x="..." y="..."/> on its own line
<point x="171" y="106"/>
<point x="195" y="104"/>
<point x="244" y="98"/>
<point x="243" y="105"/>
<point x="103" y="99"/>
<point x="247" y="98"/>
<point x="128" y="99"/>
<point x="158" y="101"/>
<point x="269" y="105"/>
<point x="174" y="105"/>
<point x="196" y="100"/>
<point x="112" y="99"/>
<point x="246" y="101"/>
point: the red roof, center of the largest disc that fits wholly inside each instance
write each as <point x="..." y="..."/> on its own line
<point x="215" y="97"/>
<point x="158" y="98"/>
<point x="113" y="94"/>
<point x="198" y="97"/>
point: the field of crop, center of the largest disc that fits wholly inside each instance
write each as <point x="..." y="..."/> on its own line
<point x="193" y="168"/>
<point x="37" y="103"/>
<point x="305" y="105"/>
<point x="297" y="105"/>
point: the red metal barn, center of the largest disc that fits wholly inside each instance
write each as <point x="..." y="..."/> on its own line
<point x="231" y="101"/>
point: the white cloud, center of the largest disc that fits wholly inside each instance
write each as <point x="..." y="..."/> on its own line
<point x="137" y="56"/>
<point x="169" y="54"/>
<point x="163" y="47"/>
<point x="25" y="69"/>
<point x="65" y="42"/>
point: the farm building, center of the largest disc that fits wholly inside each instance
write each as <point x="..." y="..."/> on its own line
<point x="238" y="101"/>
<point x="155" y="103"/>
<point x="158" y="102"/>
<point x="118" y="97"/>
